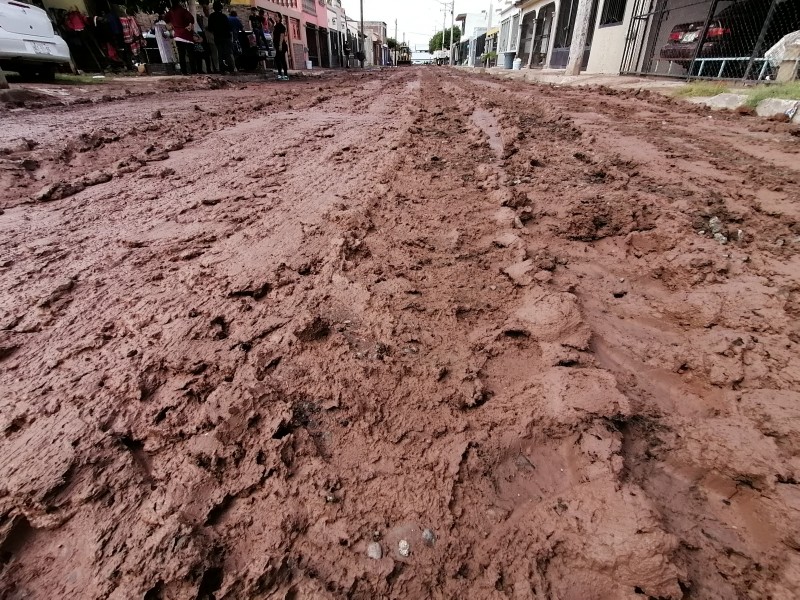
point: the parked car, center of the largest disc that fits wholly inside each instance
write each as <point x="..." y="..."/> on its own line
<point x="732" y="34"/>
<point x="28" y="44"/>
<point x="253" y="53"/>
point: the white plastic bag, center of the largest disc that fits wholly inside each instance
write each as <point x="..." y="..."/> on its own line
<point x="775" y="54"/>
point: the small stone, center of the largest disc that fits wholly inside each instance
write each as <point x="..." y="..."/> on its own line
<point x="374" y="551"/>
<point x="780" y="242"/>
<point x="715" y="225"/>
<point x="428" y="537"/>
<point x="404" y="548"/>
<point x="739" y="235"/>
<point x="156" y="114"/>
<point x="518" y="223"/>
<point x="720" y="238"/>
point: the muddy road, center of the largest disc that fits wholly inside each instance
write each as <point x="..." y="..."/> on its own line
<point x="409" y="334"/>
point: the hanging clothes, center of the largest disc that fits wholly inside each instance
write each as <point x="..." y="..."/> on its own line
<point x="131" y="34"/>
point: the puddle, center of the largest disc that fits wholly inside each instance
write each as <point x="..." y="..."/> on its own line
<point x="488" y="124"/>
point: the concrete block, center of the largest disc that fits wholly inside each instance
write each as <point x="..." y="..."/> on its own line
<point x="726" y="101"/>
<point x="776" y="106"/>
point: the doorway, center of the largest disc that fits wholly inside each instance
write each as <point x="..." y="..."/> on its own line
<point x="563" y="34"/>
<point x="541" y="42"/>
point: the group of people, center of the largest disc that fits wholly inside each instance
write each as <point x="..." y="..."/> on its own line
<point x="214" y="38"/>
<point x="109" y="40"/>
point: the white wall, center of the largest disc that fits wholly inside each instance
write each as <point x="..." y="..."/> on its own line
<point x="608" y="43"/>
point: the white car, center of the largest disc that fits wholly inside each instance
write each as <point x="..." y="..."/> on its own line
<point x="28" y="44"/>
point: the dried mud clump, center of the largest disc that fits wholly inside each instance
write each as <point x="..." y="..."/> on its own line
<point x="599" y="218"/>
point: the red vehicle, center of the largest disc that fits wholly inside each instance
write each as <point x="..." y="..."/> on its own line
<point x="732" y="33"/>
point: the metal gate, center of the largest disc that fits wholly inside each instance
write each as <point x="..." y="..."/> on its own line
<point x="541" y="43"/>
<point x="708" y="39"/>
<point x="563" y="34"/>
<point x="527" y="35"/>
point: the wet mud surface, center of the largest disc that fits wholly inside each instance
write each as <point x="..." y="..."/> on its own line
<point x="409" y="334"/>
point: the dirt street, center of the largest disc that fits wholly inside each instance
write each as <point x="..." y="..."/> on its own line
<point x="400" y="334"/>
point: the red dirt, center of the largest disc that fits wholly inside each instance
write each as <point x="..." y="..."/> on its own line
<point x="246" y="336"/>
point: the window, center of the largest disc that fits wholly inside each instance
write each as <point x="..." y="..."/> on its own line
<point x="613" y="12"/>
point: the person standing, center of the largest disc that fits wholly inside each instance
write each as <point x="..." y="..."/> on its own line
<point x="213" y="54"/>
<point x="182" y="23"/>
<point x="220" y="27"/>
<point x="257" y="26"/>
<point x="236" y="29"/>
<point x="281" y="48"/>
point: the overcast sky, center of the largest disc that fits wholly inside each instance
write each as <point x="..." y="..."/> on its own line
<point x="418" y="19"/>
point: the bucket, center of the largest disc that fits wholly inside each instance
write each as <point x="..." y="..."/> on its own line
<point x="309" y="65"/>
<point x="508" y="60"/>
<point x="517" y="64"/>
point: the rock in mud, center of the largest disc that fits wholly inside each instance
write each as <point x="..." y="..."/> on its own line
<point x="428" y="537"/>
<point x="374" y="551"/>
<point x="715" y="225"/>
<point x="404" y="548"/>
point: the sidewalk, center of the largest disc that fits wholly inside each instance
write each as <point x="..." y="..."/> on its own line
<point x="731" y="100"/>
<point x="557" y="77"/>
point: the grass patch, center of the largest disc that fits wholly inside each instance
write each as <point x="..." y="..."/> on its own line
<point x="68" y="79"/>
<point x="788" y="91"/>
<point x="702" y="88"/>
<point x="61" y="78"/>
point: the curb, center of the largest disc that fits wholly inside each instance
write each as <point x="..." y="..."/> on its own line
<point x="770" y="107"/>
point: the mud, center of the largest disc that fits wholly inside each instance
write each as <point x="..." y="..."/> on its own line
<point x="404" y="334"/>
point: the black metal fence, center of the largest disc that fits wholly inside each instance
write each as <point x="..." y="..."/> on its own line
<point x="709" y="39"/>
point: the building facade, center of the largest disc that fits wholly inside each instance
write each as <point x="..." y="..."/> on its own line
<point x="377" y="50"/>
<point x="337" y="34"/>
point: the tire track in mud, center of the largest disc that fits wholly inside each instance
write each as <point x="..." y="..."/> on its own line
<point x="695" y="312"/>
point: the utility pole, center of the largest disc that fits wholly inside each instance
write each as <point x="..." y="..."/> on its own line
<point x="453" y="33"/>
<point x="363" y="38"/>
<point x="444" y="25"/>
<point x="395" y="42"/>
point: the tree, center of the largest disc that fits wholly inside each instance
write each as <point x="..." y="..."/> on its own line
<point x="392" y="43"/>
<point x="436" y="41"/>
